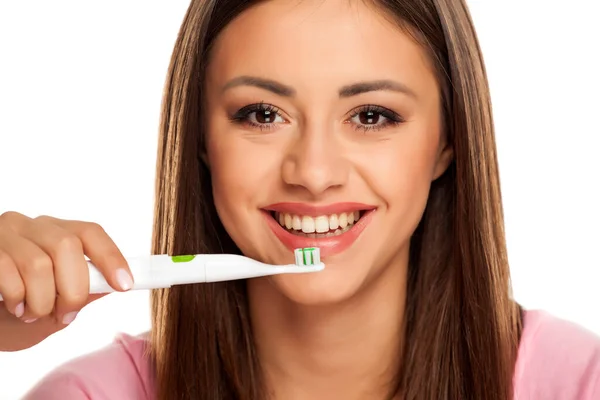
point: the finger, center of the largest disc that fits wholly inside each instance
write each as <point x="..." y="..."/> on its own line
<point x="12" y="288"/>
<point x="102" y="251"/>
<point x="71" y="275"/>
<point x="12" y="220"/>
<point x="36" y="271"/>
<point x="69" y="317"/>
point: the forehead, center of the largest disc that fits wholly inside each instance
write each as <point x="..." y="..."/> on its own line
<point x="319" y="41"/>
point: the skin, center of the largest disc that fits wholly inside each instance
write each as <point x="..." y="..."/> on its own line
<point x="44" y="279"/>
<point x="317" y="333"/>
<point x="335" y="334"/>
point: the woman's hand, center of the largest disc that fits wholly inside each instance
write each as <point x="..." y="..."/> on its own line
<point x="44" y="277"/>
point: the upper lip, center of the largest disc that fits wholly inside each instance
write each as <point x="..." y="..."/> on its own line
<point x="313" y="210"/>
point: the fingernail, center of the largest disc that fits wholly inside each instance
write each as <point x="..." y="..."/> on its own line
<point x="69" y="317"/>
<point x="29" y="321"/>
<point x="124" y="279"/>
<point x="20" y="310"/>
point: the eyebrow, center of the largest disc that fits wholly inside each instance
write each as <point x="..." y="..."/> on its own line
<point x="373" y="86"/>
<point x="266" y="84"/>
<point x="346" y="91"/>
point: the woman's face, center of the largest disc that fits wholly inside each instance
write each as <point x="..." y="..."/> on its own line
<point x="324" y="131"/>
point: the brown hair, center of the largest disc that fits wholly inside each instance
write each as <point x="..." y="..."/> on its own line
<point x="462" y="327"/>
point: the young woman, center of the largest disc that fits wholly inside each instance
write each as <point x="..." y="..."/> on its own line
<point x="360" y="127"/>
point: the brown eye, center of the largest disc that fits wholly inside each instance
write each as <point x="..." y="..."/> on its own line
<point x="369" y="117"/>
<point x="265" y="116"/>
<point x="372" y="116"/>
<point x="260" y="116"/>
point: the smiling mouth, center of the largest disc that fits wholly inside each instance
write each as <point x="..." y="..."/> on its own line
<point x="324" y="226"/>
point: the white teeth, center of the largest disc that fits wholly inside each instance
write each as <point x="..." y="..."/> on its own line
<point x="343" y="220"/>
<point x="326" y="225"/>
<point x="288" y="221"/>
<point x="308" y="224"/>
<point x="333" y="222"/>
<point x="322" y="224"/>
<point x="296" y="223"/>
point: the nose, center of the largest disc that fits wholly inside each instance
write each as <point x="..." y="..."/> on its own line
<point x="316" y="162"/>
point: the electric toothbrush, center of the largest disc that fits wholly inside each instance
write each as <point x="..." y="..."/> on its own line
<point x="163" y="271"/>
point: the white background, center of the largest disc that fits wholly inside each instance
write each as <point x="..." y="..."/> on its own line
<point x="80" y="91"/>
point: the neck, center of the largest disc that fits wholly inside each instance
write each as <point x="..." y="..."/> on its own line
<point x="348" y="350"/>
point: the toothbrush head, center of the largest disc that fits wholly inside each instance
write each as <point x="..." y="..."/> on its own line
<point x="307" y="256"/>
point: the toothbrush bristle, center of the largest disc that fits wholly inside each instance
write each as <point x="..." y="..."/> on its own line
<point x="307" y="256"/>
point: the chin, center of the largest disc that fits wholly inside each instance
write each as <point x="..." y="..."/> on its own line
<point x="328" y="287"/>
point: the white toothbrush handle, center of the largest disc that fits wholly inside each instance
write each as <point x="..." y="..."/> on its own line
<point x="150" y="272"/>
<point x="161" y="271"/>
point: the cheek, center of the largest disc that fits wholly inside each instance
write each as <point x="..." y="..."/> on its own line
<point x="245" y="176"/>
<point x="228" y="178"/>
<point x="242" y="173"/>
<point x="402" y="170"/>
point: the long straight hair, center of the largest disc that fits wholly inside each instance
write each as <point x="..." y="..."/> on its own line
<point x="462" y="326"/>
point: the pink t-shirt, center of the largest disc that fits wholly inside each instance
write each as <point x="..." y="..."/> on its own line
<point x="558" y="360"/>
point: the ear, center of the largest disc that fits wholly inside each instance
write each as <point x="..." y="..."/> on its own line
<point x="444" y="158"/>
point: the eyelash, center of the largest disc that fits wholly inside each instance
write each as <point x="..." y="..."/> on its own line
<point x="241" y="116"/>
<point x="392" y="118"/>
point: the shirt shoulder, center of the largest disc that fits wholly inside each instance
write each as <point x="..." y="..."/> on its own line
<point x="121" y="370"/>
<point x="557" y="360"/>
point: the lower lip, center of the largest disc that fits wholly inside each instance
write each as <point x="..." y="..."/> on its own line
<point x="327" y="245"/>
